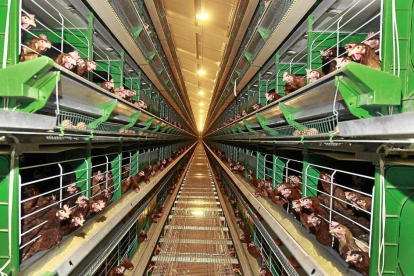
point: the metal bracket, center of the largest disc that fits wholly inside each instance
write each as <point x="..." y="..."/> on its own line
<point x="164" y="129"/>
<point x="264" y="33"/>
<point x="288" y="114"/>
<point x="239" y="128"/>
<point x="106" y="113"/>
<point x="137" y="32"/>
<point x="248" y="126"/>
<point x="148" y="124"/>
<point x="151" y="55"/>
<point x="262" y="121"/>
<point x="134" y="119"/>
<point x="29" y="84"/>
<point x="248" y="56"/>
<point x="365" y="90"/>
<point x="157" y="127"/>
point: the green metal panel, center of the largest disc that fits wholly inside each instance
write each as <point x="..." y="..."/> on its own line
<point x="12" y="14"/>
<point x="116" y="164"/>
<point x="5" y="254"/>
<point x="261" y="165"/>
<point x="399" y="192"/>
<point x="262" y="121"/>
<point x="405" y="22"/>
<point x="278" y="167"/>
<point x="309" y="176"/>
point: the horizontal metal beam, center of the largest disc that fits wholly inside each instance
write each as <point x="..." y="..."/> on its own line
<point x="179" y="227"/>
<point x="228" y="242"/>
<point x="192" y="260"/>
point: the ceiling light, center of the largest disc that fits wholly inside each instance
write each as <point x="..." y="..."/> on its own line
<point x="109" y="49"/>
<point x="200" y="93"/>
<point x="130" y="70"/>
<point x="291" y="52"/>
<point x="201" y="104"/>
<point x="202" y="16"/>
<point x="201" y="72"/>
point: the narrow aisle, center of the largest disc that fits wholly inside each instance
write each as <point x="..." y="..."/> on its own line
<point x="196" y="238"/>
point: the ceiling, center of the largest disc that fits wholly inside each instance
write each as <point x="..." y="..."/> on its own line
<point x="196" y="51"/>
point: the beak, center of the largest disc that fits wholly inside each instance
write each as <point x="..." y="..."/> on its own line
<point x="348" y="259"/>
<point x="350" y="52"/>
<point x="33" y="23"/>
<point x="73" y="62"/>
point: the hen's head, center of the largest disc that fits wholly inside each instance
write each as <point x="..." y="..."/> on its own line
<point x="306" y="202"/>
<point x="358" y="51"/>
<point x="296" y="205"/>
<point x="28" y="20"/>
<point x="337" y="230"/>
<point x="288" y="78"/>
<point x="372" y="40"/>
<point x="90" y="65"/>
<point x="78" y="220"/>
<point x="342" y="61"/>
<point x="63" y="213"/>
<point x="354" y="256"/>
<point x="82" y="201"/>
<point x="72" y="188"/>
<point x="42" y="44"/>
<point x="68" y="61"/>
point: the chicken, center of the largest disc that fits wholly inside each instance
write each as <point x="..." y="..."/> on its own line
<point x="264" y="271"/>
<point x="97" y="178"/>
<point x="70" y="194"/>
<point x="119" y="270"/>
<point x="342" y="61"/>
<point x="84" y="66"/>
<point x="49" y="234"/>
<point x="372" y="40"/>
<point x="303" y="215"/>
<point x="108" y="85"/>
<point x="30" y="191"/>
<point x="35" y="47"/>
<point x="28" y="21"/>
<point x="67" y="60"/>
<point x="329" y="59"/>
<point x="246" y="238"/>
<point x="291" y="194"/>
<point x="135" y="185"/>
<point x="138" y="176"/>
<point x="338" y="199"/>
<point x="293" y="262"/>
<point x="321" y="229"/>
<point x="257" y="106"/>
<point x="272" y="96"/>
<point x="295" y="180"/>
<point x="77" y="220"/>
<point x="346" y="239"/>
<point x="95" y="206"/>
<point x="365" y="55"/>
<point x="142" y="236"/>
<point x="314" y="75"/>
<point x="254" y="251"/>
<point x="126" y="183"/>
<point x="360" y="260"/>
<point x="293" y="82"/>
<point x="83" y="205"/>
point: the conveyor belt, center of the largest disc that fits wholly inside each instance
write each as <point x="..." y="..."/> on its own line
<point x="196" y="240"/>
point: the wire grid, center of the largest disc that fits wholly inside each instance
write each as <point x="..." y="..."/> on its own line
<point x="325" y="127"/>
<point x="196" y="239"/>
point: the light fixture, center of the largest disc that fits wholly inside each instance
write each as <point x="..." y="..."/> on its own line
<point x="200" y="93"/>
<point x="201" y="103"/>
<point x="291" y="52"/>
<point x="202" y="16"/>
<point x="109" y="49"/>
<point x="197" y="213"/>
<point x="201" y="71"/>
<point x="130" y="70"/>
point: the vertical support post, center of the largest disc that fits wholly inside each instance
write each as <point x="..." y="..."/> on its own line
<point x="90" y="38"/>
<point x="10" y="55"/>
<point x="310" y="40"/>
<point x="308" y="175"/>
<point x="89" y="169"/>
<point x="122" y="68"/>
